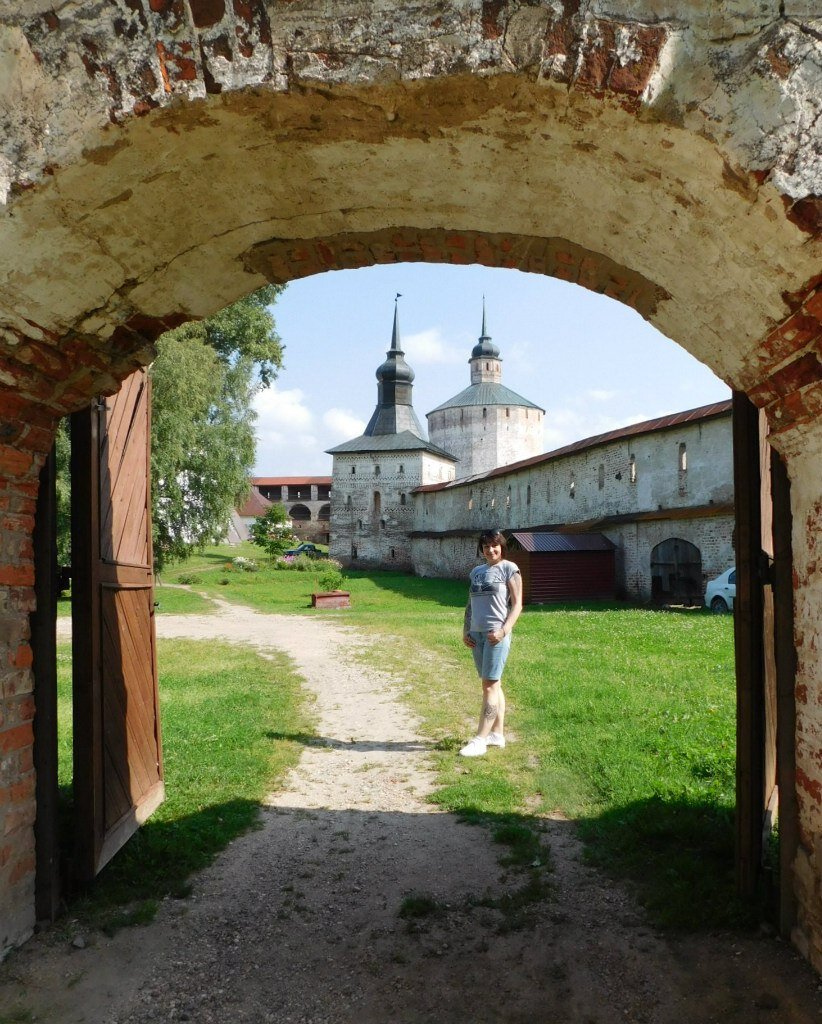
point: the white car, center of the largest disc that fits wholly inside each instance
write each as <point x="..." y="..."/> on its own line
<point x="720" y="593"/>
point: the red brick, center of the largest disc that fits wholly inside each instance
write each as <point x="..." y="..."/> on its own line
<point x="25" y="760"/>
<point x="813" y="305"/>
<point x="22" y="790"/>
<point x="16" y="575"/>
<point x="22" y="657"/>
<point x="6" y="851"/>
<point x="18" y="738"/>
<point x="14" y="463"/>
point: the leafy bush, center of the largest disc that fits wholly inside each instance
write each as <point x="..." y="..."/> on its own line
<point x="188" y="579"/>
<point x="331" y="579"/>
<point x="245" y="564"/>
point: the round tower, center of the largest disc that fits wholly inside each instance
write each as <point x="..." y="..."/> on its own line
<point x="487" y="425"/>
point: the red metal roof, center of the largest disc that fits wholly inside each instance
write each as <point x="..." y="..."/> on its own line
<point x="273" y="481"/>
<point x="562" y="541"/>
<point x="255" y="505"/>
<point x="704" y="412"/>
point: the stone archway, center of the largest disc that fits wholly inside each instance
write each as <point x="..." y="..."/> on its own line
<point x="162" y="158"/>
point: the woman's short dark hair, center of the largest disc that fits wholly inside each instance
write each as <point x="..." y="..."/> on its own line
<point x="491" y="537"/>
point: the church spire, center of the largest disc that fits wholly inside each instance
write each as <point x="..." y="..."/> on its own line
<point x="485" y="359"/>
<point x="394" y="412"/>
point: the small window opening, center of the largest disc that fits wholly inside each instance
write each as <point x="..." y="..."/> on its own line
<point x="353" y="470"/>
<point x="382" y="524"/>
<point x="377" y="503"/>
<point x="392" y="553"/>
<point x="484" y="414"/>
<point x="573" y="489"/>
<point x="470" y="504"/>
<point x="376" y="470"/>
<point x="508" y="497"/>
<point x="402" y="468"/>
<point x="359" y="524"/>
<point x="633" y="470"/>
<point x="487" y="366"/>
<point x="348" y="502"/>
<point x="507" y="412"/>
<point x="402" y="499"/>
<point x="683" y="458"/>
<point x="528" y="495"/>
<point x="601" y="476"/>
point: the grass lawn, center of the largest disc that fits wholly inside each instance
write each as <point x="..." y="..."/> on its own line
<point x="623" y="719"/>
<point x="226" y="719"/>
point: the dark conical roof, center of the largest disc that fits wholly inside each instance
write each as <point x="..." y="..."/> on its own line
<point x="485" y="347"/>
<point x="395" y="367"/>
<point x="394" y="412"/>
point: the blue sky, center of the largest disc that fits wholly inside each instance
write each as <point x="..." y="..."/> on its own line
<point x="590" y="362"/>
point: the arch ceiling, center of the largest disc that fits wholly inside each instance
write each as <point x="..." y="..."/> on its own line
<point x="165" y="158"/>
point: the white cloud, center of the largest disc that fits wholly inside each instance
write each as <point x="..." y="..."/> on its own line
<point x="343" y="424"/>
<point x="429" y="346"/>
<point x="564" y="426"/>
<point x="285" y="426"/>
<point x="600" y="395"/>
<point x="282" y="409"/>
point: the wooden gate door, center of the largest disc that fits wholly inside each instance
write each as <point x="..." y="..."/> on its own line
<point x="765" y="660"/>
<point x="118" y="771"/>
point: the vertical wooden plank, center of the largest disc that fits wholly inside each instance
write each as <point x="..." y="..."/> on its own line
<point x="44" y="648"/>
<point x="768" y="612"/>
<point x="750" y="717"/>
<point x="85" y="610"/>
<point x="785" y="656"/>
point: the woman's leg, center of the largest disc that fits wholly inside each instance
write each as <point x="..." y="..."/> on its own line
<point x="499" y="722"/>
<point x="493" y="704"/>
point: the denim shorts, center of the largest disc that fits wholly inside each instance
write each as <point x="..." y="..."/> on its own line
<point x="489" y="658"/>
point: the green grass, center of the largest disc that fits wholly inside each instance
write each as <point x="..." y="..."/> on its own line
<point x="623" y="720"/>
<point x="175" y="601"/>
<point x="228" y="726"/>
<point x="623" y="717"/>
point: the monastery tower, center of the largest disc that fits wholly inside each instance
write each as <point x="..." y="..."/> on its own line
<point x="487" y="425"/>
<point x="374" y="474"/>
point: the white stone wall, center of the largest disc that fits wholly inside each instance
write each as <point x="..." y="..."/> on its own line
<point x="586" y="486"/>
<point x="485" y="438"/>
<point x="367" y="532"/>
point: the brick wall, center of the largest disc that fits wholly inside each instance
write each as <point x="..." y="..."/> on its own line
<point x="18" y="492"/>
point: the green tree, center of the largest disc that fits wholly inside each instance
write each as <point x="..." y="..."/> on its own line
<point x="272" y="531"/>
<point x="204" y="380"/>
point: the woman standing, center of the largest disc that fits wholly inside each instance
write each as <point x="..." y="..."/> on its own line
<point x="494" y="605"/>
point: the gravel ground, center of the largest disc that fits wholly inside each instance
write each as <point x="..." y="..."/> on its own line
<point x="300" y="921"/>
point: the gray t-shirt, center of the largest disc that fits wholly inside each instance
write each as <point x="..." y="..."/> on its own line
<point x="489" y="595"/>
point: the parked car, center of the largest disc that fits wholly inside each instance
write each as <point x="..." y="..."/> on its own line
<point x="720" y="593"/>
<point x="305" y="549"/>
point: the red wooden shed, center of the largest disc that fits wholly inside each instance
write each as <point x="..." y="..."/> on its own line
<point x="564" y="566"/>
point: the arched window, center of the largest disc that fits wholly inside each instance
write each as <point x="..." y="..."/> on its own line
<point x="377" y="503"/>
<point x="376" y="470"/>
<point x="348" y="502"/>
<point x="324" y="515"/>
<point x="632" y="476"/>
<point x="402" y="499"/>
<point x="299" y="513"/>
<point x="573" y="489"/>
<point x="683" y="458"/>
<point x="508" y="497"/>
<point x="601" y="476"/>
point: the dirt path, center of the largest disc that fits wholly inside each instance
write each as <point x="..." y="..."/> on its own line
<point x="299" y="921"/>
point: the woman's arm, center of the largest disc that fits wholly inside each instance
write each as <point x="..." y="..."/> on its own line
<point x="515" y="594"/>
<point x="466" y="626"/>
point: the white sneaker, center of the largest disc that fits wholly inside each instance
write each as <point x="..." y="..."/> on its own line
<point x="495" y="739"/>
<point x="475" y="747"/>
